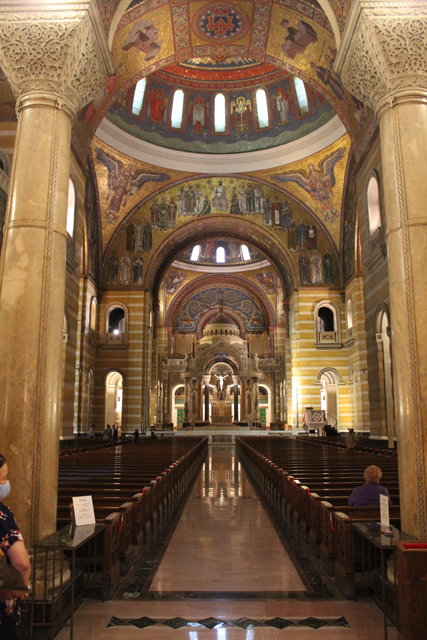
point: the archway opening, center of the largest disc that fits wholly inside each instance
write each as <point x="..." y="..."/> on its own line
<point x="329" y="397"/>
<point x="113" y="399"/>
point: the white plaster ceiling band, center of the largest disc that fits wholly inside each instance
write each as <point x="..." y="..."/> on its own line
<point x="218" y="163"/>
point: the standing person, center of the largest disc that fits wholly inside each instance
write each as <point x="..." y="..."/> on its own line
<point x="368" y="495"/>
<point x="115" y="433"/>
<point x="107" y="433"/>
<point x="136" y="435"/>
<point x="91" y="432"/>
<point x="13" y="547"/>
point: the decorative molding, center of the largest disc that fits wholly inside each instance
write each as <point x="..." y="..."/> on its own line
<point x="121" y="141"/>
<point x="383" y="57"/>
<point x="60" y="49"/>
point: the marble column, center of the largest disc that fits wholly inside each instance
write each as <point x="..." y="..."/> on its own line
<point x="206" y="401"/>
<point x="66" y="64"/>
<point x="382" y="64"/>
<point x="243" y="400"/>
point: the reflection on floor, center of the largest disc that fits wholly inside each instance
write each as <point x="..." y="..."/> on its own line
<point x="226" y="575"/>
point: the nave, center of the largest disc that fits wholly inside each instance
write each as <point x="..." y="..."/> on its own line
<point x="228" y="573"/>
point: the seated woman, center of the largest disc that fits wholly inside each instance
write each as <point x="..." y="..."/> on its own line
<point x="368" y="495"/>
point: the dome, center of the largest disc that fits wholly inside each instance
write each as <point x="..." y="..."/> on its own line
<point x="221" y="325"/>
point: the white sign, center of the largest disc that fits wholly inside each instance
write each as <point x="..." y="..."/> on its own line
<point x="385" y="517"/>
<point x="83" y="510"/>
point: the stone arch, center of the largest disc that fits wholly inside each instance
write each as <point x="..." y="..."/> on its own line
<point x="233" y="357"/>
<point x="242" y="230"/>
<point x="329" y="370"/>
<point x="206" y="282"/>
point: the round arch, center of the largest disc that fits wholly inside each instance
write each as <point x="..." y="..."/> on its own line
<point x="242" y="230"/>
<point x="206" y="282"/>
<point x="328" y="371"/>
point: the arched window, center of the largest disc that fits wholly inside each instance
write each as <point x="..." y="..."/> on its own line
<point x="71" y="207"/>
<point x="245" y="252"/>
<point x="374" y="210"/>
<point x="116" y="321"/>
<point x="177" y="109"/>
<point x="93" y="314"/>
<point x="301" y="96"/>
<point x="219" y="113"/>
<point x="195" y="254"/>
<point x="326" y="319"/>
<point x="327" y="325"/>
<point x="138" y="97"/>
<point x="220" y="254"/>
<point x="349" y="317"/>
<point x="262" y="108"/>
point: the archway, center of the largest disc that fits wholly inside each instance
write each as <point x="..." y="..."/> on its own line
<point x="386" y="369"/>
<point x="329" y="396"/>
<point x="113" y="398"/>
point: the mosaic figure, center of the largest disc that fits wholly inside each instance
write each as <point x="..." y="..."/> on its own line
<point x="138" y="236"/>
<point x="267" y="213"/>
<point x="113" y="268"/>
<point x="147" y="240"/>
<point x="304" y="268"/>
<point x="173" y="282"/>
<point x="286" y="215"/>
<point x="125" y="270"/>
<point x="319" y="182"/>
<point x="198" y="115"/>
<point x="328" y="268"/>
<point x="316" y="268"/>
<point x="144" y="38"/>
<point x="241" y="114"/>
<point x="219" y="200"/>
<point x="302" y="233"/>
<point x="123" y="183"/>
<point x="311" y="236"/>
<point x="138" y="265"/>
<point x="130" y="237"/>
<point x="292" y="237"/>
<point x="282" y="106"/>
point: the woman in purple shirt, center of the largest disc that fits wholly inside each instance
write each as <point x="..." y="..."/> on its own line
<point x="368" y="495"/>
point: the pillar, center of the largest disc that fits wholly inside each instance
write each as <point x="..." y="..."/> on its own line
<point x="199" y="400"/>
<point x="62" y="76"/>
<point x="236" y="403"/>
<point x="243" y="400"/>
<point x="206" y="401"/>
<point x="382" y="64"/>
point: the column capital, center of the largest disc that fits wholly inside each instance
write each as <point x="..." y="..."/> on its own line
<point x="58" y="48"/>
<point x="382" y="59"/>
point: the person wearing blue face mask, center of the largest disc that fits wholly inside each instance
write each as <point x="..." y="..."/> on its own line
<point x="13" y="547"/>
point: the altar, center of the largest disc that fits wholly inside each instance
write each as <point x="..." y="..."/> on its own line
<point x="221" y="412"/>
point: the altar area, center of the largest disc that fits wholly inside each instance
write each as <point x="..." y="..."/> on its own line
<point x="221" y="411"/>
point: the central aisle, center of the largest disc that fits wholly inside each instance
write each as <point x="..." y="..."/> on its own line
<point x="224" y="540"/>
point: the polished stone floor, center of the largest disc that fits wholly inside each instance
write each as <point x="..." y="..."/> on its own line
<point x="228" y="574"/>
<point x="225" y="541"/>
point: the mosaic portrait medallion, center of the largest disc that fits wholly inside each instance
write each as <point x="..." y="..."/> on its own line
<point x="220" y="22"/>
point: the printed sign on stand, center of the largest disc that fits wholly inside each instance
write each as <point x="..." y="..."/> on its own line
<point x="83" y="510"/>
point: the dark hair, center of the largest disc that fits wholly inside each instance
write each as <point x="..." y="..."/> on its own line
<point x="2" y="461"/>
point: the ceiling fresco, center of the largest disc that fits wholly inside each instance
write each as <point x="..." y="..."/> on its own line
<point x="302" y="233"/>
<point x="242" y="132"/>
<point x="294" y="36"/>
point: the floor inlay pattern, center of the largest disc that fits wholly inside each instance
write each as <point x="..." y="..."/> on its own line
<point x="242" y="623"/>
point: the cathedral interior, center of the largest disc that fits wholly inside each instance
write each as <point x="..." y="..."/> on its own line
<point x="211" y="225"/>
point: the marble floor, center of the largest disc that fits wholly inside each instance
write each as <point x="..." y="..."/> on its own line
<point x="227" y="574"/>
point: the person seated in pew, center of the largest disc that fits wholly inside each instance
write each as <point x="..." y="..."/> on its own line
<point x="153" y="436"/>
<point x="351" y="440"/>
<point x="108" y="433"/>
<point x="136" y="435"/>
<point x="91" y="433"/>
<point x="368" y="494"/>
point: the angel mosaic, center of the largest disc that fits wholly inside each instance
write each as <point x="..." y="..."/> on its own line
<point x="319" y="182"/>
<point x="123" y="182"/>
<point x="173" y="282"/>
<point x="241" y="114"/>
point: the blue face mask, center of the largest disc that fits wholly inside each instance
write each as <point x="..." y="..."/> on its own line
<point x="4" y="490"/>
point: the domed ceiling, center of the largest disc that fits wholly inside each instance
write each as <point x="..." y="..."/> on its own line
<point x="234" y="254"/>
<point x="237" y="79"/>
